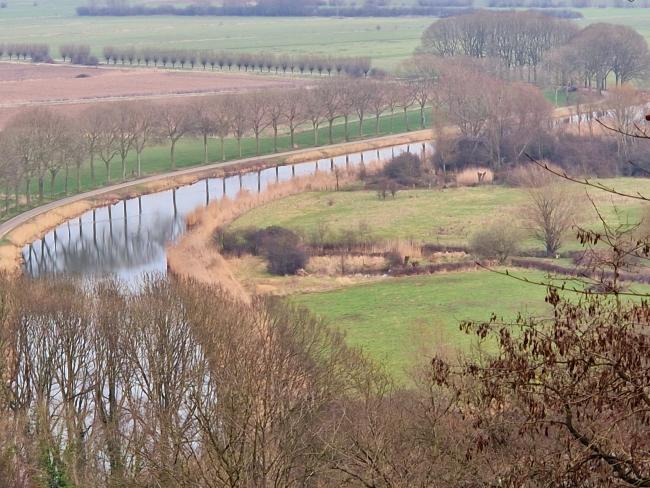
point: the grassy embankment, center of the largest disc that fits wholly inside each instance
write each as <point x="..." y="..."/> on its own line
<point x="189" y="153"/>
<point x="399" y="321"/>
<point x="446" y="217"/>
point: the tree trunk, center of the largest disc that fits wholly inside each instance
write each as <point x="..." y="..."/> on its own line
<point x="275" y="139"/>
<point x="239" y="146"/>
<point x="172" y="155"/>
<point x="223" y="151"/>
<point x="41" y="188"/>
<point x="330" y="124"/>
<point x="205" y="148"/>
<point x="377" y="124"/>
<point x="92" y="168"/>
<point x="108" y="172"/>
<point x="406" y="119"/>
<point x="123" y="168"/>
<point x="139" y="158"/>
<point x="345" y="125"/>
<point x="78" y="179"/>
<point x="315" y="134"/>
<point x="28" y="196"/>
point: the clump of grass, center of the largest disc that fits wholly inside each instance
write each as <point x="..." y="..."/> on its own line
<point x="474" y="176"/>
<point x="345" y="265"/>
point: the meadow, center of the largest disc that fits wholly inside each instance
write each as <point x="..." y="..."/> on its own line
<point x="446" y="217"/>
<point x="401" y="322"/>
<point x="387" y="40"/>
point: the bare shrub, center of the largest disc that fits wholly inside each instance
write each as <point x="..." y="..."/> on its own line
<point x="532" y="175"/>
<point x="499" y="241"/>
<point x="551" y="209"/>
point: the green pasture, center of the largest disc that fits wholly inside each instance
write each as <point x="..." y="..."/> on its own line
<point x="441" y="216"/>
<point x="387" y="40"/>
<point x="403" y="322"/>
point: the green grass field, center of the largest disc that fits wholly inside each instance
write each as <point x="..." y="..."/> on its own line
<point x="386" y="40"/>
<point x="445" y="217"/>
<point x="402" y="322"/>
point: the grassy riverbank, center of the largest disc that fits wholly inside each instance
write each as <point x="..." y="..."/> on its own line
<point x="189" y="153"/>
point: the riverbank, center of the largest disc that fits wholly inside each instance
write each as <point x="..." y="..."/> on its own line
<point x="196" y="255"/>
<point x="33" y="224"/>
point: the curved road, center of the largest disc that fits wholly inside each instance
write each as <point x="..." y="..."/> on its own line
<point x="11" y="224"/>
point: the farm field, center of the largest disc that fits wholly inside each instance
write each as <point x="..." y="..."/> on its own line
<point x="402" y="321"/>
<point x="387" y="40"/>
<point x="71" y="89"/>
<point x="446" y="217"/>
<point x="22" y="84"/>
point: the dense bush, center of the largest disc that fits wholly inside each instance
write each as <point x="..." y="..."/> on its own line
<point x="498" y="241"/>
<point x="281" y="247"/>
<point x="405" y="169"/>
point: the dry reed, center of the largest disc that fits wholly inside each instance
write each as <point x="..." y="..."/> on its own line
<point x="196" y="256"/>
<point x="474" y="176"/>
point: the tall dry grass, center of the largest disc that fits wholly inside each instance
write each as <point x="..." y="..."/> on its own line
<point x="473" y="176"/>
<point x="196" y="256"/>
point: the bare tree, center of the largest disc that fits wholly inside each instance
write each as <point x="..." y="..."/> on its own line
<point x="293" y="106"/>
<point x="550" y="210"/>
<point x="176" y="120"/>
<point x="206" y="124"/>
<point x="240" y="122"/>
<point x="276" y="114"/>
<point x="257" y="108"/>
<point x="145" y="132"/>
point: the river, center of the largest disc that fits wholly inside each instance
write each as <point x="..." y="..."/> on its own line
<point x="127" y="239"/>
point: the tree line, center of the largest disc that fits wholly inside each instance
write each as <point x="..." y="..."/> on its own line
<point x="354" y="66"/>
<point x="522" y="42"/>
<point x="41" y="144"/>
<point x="35" y="52"/>
<point x="107" y="388"/>
<point x="276" y="9"/>
<point x="598" y="51"/>
<point x="205" y="59"/>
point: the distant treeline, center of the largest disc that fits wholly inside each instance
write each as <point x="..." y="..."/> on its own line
<point x="452" y="7"/>
<point x="35" y="52"/>
<point x="184" y="58"/>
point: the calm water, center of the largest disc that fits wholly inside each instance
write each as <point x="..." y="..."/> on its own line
<point x="128" y="239"/>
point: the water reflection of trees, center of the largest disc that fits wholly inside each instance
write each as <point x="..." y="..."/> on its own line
<point x="102" y="247"/>
<point x="124" y="238"/>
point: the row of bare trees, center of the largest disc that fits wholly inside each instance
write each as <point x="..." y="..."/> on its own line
<point x="35" y="52"/>
<point x="519" y="40"/>
<point x="265" y="61"/>
<point x="104" y="388"/>
<point x="77" y="54"/>
<point x="41" y="144"/>
<point x="598" y="51"/>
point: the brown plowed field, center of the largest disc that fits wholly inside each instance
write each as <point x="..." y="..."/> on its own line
<point x="71" y="88"/>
